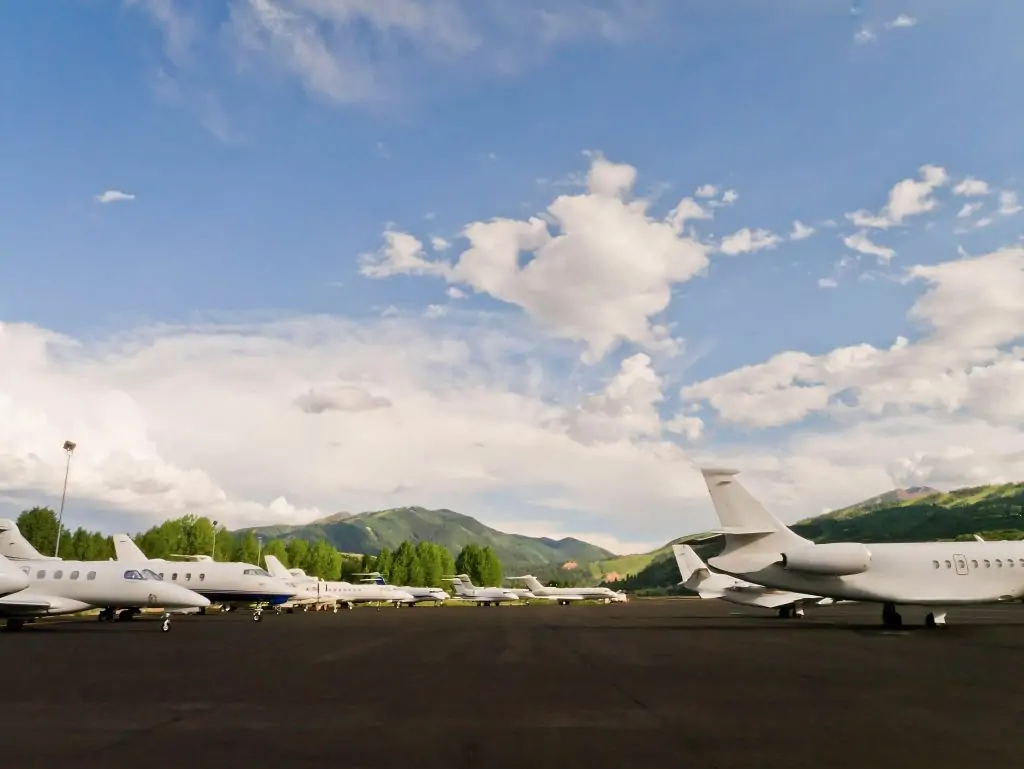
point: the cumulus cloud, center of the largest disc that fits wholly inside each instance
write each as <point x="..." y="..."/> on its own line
<point x="747" y="241"/>
<point x="340" y="398"/>
<point x="1008" y="205"/>
<point x="827" y="283"/>
<point x="706" y="191"/>
<point x="968" y="210"/>
<point x="861" y="243"/>
<point x="902" y="21"/>
<point x="113" y="196"/>
<point x="439" y="244"/>
<point x="971" y="187"/>
<point x="973" y="311"/>
<point x="801" y="231"/>
<point x="864" y="35"/>
<point x="909" y="197"/>
<point x="600" y="278"/>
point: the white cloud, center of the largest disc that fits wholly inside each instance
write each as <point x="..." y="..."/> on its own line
<point x="865" y="35"/>
<point x="801" y="231"/>
<point x="907" y="198"/>
<point x="973" y="310"/>
<point x="600" y="280"/>
<point x="985" y="222"/>
<point x="968" y="209"/>
<point x="454" y="293"/>
<point x="317" y="41"/>
<point x="730" y="196"/>
<point x="113" y="196"/>
<point x="902" y="21"/>
<point x="434" y="311"/>
<point x="971" y="187"/>
<point x="439" y="244"/>
<point x="1008" y="205"/>
<point x="861" y="243"/>
<point x="307" y="415"/>
<point x="180" y="30"/>
<point x="746" y="241"/>
<point x="706" y="191"/>
<point x="827" y="283"/>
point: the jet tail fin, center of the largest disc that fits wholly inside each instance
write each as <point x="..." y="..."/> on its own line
<point x="126" y="550"/>
<point x="691" y="567"/>
<point x="747" y="524"/>
<point x="276" y="568"/>
<point x="14" y="545"/>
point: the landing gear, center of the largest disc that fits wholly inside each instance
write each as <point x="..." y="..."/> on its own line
<point x="891" y="618"/>
<point x="335" y="608"/>
<point x="798" y="611"/>
<point x="785" y="612"/>
<point x="126" y="614"/>
<point x="935" y="619"/>
<point x="165" y="622"/>
<point x="105" y="615"/>
<point x="257" y="612"/>
<point x="14" y="625"/>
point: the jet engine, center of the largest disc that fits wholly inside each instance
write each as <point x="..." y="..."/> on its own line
<point x="838" y="559"/>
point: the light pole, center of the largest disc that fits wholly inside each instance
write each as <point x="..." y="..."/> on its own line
<point x="214" y="541"/>
<point x="69" y="447"/>
<point x="259" y="551"/>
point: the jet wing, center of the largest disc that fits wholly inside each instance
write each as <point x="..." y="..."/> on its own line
<point x="22" y="603"/>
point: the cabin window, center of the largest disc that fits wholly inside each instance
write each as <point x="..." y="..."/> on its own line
<point x="999" y="563"/>
<point x="974" y="564"/>
<point x="161" y="575"/>
<point x="133" y="574"/>
<point x="91" y="575"/>
<point x="1009" y="562"/>
<point x="988" y="563"/>
<point x="74" y="575"/>
<point x="188" y="576"/>
<point x="935" y="564"/>
<point x="1022" y="561"/>
<point x="41" y="574"/>
<point x="174" y="577"/>
<point x="202" y="577"/>
<point x="949" y="565"/>
<point x="58" y="574"/>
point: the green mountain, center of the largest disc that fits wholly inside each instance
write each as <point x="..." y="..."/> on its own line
<point x="919" y="514"/>
<point x="370" y="532"/>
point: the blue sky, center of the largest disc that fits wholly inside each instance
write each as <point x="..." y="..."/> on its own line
<point x="268" y="144"/>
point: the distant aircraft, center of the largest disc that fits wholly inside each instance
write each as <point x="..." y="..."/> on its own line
<point x="482" y="596"/>
<point x="228" y="583"/>
<point x="335" y="593"/>
<point x="56" y="586"/>
<point x="565" y="595"/>
<point x="762" y="550"/>
<point x="698" y="577"/>
<point x="419" y="594"/>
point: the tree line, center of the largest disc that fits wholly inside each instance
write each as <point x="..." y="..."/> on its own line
<point x="423" y="564"/>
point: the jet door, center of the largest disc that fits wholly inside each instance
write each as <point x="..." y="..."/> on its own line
<point x="960" y="561"/>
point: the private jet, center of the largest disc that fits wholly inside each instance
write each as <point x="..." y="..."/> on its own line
<point x="759" y="548"/>
<point x="566" y="595"/>
<point x="230" y="584"/>
<point x="419" y="594"/>
<point x="481" y="596"/>
<point x="696" y="576"/>
<point x="343" y="593"/>
<point x="56" y="586"/>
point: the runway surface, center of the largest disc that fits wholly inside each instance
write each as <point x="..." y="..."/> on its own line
<point x="648" y="683"/>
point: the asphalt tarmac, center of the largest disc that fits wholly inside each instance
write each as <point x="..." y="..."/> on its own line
<point x="651" y="683"/>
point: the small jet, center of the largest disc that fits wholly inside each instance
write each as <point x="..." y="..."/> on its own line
<point x="228" y="583"/>
<point x="698" y="577"/>
<point x="335" y="593"/>
<point x="419" y="594"/>
<point x="482" y="596"/>
<point x="56" y="586"/>
<point x="761" y="549"/>
<point x="565" y="595"/>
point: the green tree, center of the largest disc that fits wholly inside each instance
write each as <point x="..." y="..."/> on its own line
<point x="470" y="562"/>
<point x="39" y="526"/>
<point x="429" y="558"/>
<point x="324" y="561"/>
<point x="278" y="549"/>
<point x="248" y="549"/>
<point x="298" y="553"/>
<point x="384" y="560"/>
<point x="491" y="573"/>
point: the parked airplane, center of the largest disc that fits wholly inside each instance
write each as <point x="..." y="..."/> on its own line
<point x="309" y="591"/>
<point x="419" y="594"/>
<point x="340" y="592"/>
<point x="762" y="550"/>
<point x="698" y="577"/>
<point x="56" y="586"/>
<point x="564" y="595"/>
<point x="228" y="583"/>
<point x="482" y="596"/>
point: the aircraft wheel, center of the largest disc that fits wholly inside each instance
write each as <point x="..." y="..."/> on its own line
<point x="335" y="608"/>
<point x="165" y="626"/>
<point x="890" y="617"/>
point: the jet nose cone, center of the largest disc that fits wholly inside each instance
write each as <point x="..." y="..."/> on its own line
<point x="173" y="596"/>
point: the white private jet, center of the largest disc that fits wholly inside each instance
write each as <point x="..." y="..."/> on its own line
<point x="56" y="586"/>
<point x="482" y="596"/>
<point x="761" y="549"/>
<point x="565" y="595"/>
<point x="228" y="583"/>
<point x="419" y="594"/>
<point x="697" y="577"/>
<point x="340" y="592"/>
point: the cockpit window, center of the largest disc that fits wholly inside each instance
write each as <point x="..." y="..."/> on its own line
<point x="133" y="574"/>
<point x="149" y="574"/>
<point x="257" y="572"/>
